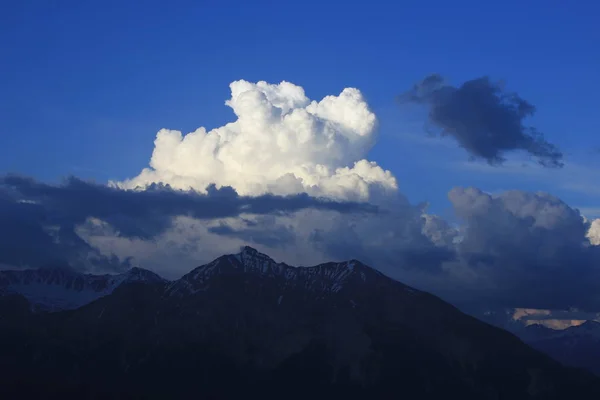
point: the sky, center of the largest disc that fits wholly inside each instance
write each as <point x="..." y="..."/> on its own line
<point x="87" y="85"/>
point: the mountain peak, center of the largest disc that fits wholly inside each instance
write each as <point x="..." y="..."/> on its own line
<point x="589" y="327"/>
<point x="330" y="277"/>
<point x="590" y="324"/>
<point x="247" y="252"/>
<point x="141" y="274"/>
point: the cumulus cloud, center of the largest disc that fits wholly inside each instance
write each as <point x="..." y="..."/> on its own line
<point x="280" y="143"/>
<point x="593" y="233"/>
<point x="528" y="250"/>
<point x="284" y="143"/>
<point x="484" y="119"/>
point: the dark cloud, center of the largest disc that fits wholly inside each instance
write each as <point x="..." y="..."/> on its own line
<point x="30" y="236"/>
<point x="484" y="119"/>
<point x="38" y="220"/>
<point x="527" y="250"/>
<point x="263" y="231"/>
<point x="511" y="250"/>
<point x="515" y="249"/>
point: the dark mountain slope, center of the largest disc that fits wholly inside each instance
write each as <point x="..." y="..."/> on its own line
<point x="244" y="325"/>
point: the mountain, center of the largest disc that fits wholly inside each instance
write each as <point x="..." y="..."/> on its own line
<point x="245" y="325"/>
<point x="577" y="346"/>
<point x="57" y="288"/>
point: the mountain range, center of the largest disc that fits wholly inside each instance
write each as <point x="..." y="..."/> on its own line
<point x="245" y="325"/>
<point x="577" y="346"/>
<point x="56" y="288"/>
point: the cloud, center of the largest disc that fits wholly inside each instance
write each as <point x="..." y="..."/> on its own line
<point x="284" y="143"/>
<point x="280" y="143"/>
<point x="145" y="213"/>
<point x="593" y="233"/>
<point x="527" y="250"/>
<point x="556" y="324"/>
<point x="554" y="319"/>
<point x="30" y="237"/>
<point x="263" y="230"/>
<point x="484" y="119"/>
<point x="38" y="221"/>
<point x="532" y="315"/>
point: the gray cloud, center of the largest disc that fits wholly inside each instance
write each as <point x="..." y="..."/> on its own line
<point x="395" y="243"/>
<point x="30" y="236"/>
<point x="484" y="119"/>
<point x="515" y="249"/>
<point x="528" y="250"/>
<point x="511" y="250"/>
<point x="263" y="231"/>
<point x="38" y="220"/>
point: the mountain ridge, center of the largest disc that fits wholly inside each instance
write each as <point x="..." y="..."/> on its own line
<point x="245" y="324"/>
<point x="55" y="288"/>
<point x="576" y="346"/>
<point x="328" y="276"/>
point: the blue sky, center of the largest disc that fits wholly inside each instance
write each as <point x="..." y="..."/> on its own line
<point x="87" y="84"/>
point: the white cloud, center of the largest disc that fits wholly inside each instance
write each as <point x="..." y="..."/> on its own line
<point x="554" y="319"/>
<point x="281" y="143"/>
<point x="521" y="313"/>
<point x="593" y="233"/>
